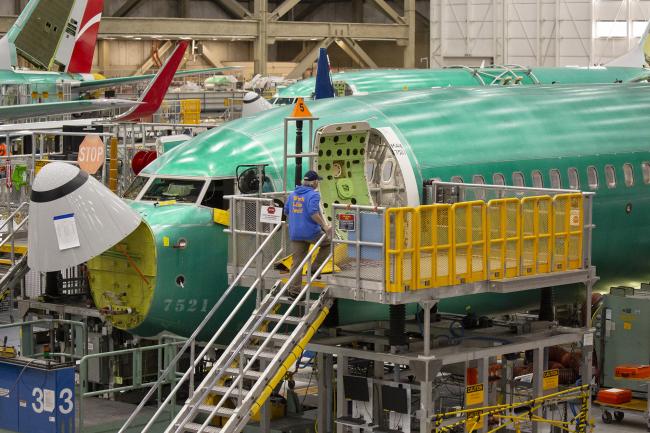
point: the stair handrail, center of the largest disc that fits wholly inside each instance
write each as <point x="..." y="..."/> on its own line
<point x="192" y="339"/>
<point x="276" y="359"/>
<point x="13" y="229"/>
<point x="243" y="340"/>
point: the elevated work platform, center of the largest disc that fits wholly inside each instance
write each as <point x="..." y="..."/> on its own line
<point x="519" y="240"/>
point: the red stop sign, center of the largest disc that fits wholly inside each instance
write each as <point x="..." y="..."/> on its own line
<point x="92" y="154"/>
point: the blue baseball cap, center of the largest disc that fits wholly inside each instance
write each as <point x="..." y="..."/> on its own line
<point x="311" y="176"/>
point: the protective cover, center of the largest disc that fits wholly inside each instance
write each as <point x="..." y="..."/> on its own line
<point x="254" y="103"/>
<point x="73" y="218"/>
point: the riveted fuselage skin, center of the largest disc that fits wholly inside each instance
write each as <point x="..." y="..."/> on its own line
<point x="446" y="132"/>
<point x="394" y="80"/>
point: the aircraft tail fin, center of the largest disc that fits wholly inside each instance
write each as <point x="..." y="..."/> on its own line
<point x="639" y="56"/>
<point x="78" y="54"/>
<point x="155" y="92"/>
<point x="254" y="103"/>
<point x="324" y="87"/>
<point x="47" y="31"/>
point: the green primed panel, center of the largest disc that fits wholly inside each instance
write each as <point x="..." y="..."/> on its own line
<point x="482" y="131"/>
<point x="447" y="132"/>
<point x="392" y="80"/>
<point x="340" y="163"/>
<point x="116" y="284"/>
<point x="41" y="35"/>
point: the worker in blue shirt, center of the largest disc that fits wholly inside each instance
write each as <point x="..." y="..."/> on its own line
<point x="306" y="226"/>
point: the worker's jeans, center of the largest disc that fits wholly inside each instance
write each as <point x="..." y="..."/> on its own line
<point x="299" y="250"/>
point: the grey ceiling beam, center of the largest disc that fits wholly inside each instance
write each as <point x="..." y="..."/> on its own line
<point x="234" y="8"/>
<point x="309" y="59"/>
<point x="389" y="11"/>
<point x="283" y="9"/>
<point x="126" y="8"/>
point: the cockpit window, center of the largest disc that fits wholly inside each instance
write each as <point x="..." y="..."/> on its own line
<point x="282" y="101"/>
<point x="216" y="191"/>
<point x="181" y="190"/>
<point x="134" y="189"/>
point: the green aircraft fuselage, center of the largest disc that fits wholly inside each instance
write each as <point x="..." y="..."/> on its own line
<point x="393" y="80"/>
<point x="37" y="86"/>
<point x="495" y="133"/>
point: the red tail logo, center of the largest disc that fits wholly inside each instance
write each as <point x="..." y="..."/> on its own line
<point x="81" y="61"/>
<point x="157" y="89"/>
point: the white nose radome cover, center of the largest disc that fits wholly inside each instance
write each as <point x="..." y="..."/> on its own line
<point x="73" y="218"/>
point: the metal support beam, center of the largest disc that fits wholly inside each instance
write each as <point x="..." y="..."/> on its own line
<point x="538" y="376"/>
<point x="149" y="63"/>
<point x="309" y="58"/>
<point x="354" y="46"/>
<point x="283" y="9"/>
<point x="308" y="10"/>
<point x="341" y="402"/>
<point x="325" y="394"/>
<point x="409" y="49"/>
<point x="126" y="8"/>
<point x="103" y="55"/>
<point x="234" y="8"/>
<point x="389" y="11"/>
<point x="306" y="47"/>
<point x="208" y="29"/>
<point x="210" y="57"/>
<point x="355" y="58"/>
<point x="261" y="48"/>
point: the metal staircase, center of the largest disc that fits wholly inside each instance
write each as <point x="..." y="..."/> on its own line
<point x="13" y="255"/>
<point x="256" y="361"/>
<point x="258" y="358"/>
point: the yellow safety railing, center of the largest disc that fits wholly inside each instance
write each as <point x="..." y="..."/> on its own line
<point x="504" y="238"/>
<point x="400" y="227"/>
<point x="468" y="250"/>
<point x="434" y="251"/>
<point x="567" y="231"/>
<point x="440" y="245"/>
<point x="536" y="235"/>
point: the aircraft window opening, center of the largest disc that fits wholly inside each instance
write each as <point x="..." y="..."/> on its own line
<point x="217" y="189"/>
<point x="134" y="189"/>
<point x="371" y="164"/>
<point x="574" y="181"/>
<point x="628" y="174"/>
<point x="645" y="168"/>
<point x="387" y="171"/>
<point x="536" y="176"/>
<point x="479" y="192"/>
<point x="518" y="179"/>
<point x="457" y="179"/>
<point x="610" y="176"/>
<point x="556" y="180"/>
<point x="180" y="190"/>
<point x="592" y="177"/>
<point x="498" y="179"/>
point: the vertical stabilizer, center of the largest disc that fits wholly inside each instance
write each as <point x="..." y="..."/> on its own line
<point x="639" y="56"/>
<point x="8" y="56"/>
<point x="53" y="35"/>
<point x="324" y="87"/>
<point x="76" y="53"/>
<point x="155" y="92"/>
